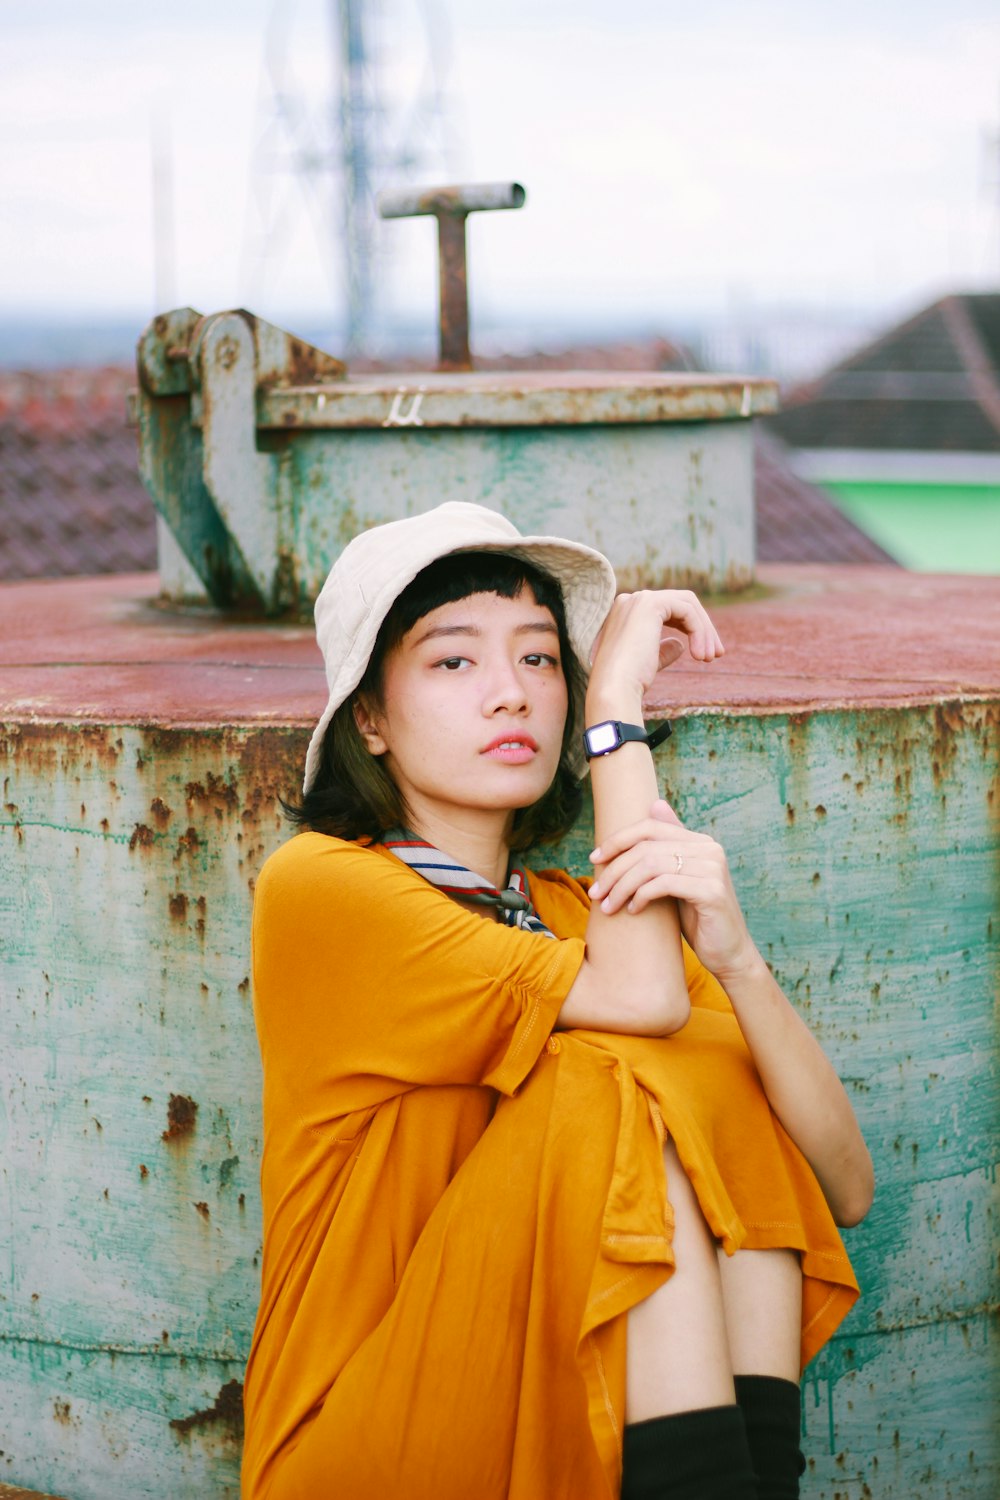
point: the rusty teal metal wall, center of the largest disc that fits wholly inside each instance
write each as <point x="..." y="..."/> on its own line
<point x="865" y="842"/>
<point x="877" y="905"/>
<point x="129" y="1113"/>
<point x="264" y="459"/>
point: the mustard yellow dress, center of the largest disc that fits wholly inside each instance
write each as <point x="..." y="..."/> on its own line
<point x="460" y="1207"/>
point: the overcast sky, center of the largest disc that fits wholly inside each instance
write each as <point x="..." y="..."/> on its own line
<point x="675" y="156"/>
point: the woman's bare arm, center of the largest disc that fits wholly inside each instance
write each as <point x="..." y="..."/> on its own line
<point x="632" y="978"/>
<point x="638" y="869"/>
<point x="803" y="1089"/>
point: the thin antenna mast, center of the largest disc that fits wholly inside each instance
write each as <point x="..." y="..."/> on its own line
<point x="164" y="231"/>
<point x="357" y="127"/>
<point x="336" y="154"/>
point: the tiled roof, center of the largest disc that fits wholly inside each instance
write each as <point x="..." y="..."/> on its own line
<point x="796" y="522"/>
<point x="634" y="354"/>
<point x="72" y="502"/>
<point x="932" y="384"/>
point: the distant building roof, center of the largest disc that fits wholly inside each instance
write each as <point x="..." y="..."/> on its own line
<point x="72" y="502"/>
<point x="796" y="522"/>
<point x="932" y="384"/>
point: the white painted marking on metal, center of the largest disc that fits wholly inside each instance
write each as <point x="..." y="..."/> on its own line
<point x="397" y="417"/>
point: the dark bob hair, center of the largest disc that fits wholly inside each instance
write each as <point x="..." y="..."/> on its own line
<point x="353" y="795"/>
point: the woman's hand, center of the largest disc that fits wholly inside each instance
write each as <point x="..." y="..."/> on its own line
<point x="658" y="858"/>
<point x="631" y="648"/>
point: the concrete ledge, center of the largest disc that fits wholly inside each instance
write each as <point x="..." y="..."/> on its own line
<point x="811" y="637"/>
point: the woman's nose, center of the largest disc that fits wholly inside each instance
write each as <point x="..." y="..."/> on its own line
<point x="505" y="690"/>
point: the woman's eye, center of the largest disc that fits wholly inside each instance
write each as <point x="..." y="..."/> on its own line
<point x="541" y="659"/>
<point x="452" y="663"/>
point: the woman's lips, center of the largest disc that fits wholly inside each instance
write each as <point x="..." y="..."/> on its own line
<point x="512" y="749"/>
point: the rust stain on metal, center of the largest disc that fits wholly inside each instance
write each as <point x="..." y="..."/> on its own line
<point x="62" y="1412"/>
<point x="263" y="774"/>
<point x="15" y="1492"/>
<point x="181" y="1112"/>
<point x="949" y="726"/>
<point x="202" y="1208"/>
<point x="305" y="365"/>
<point x="215" y="794"/>
<point x="142" y="838"/>
<point x="188" y="843"/>
<point x="226" y="1412"/>
<point x="143" y="1171"/>
<point x="178" y="904"/>
<point x="99" y="740"/>
<point x="160" y="811"/>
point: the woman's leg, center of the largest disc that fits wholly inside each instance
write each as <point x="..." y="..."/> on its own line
<point x="762" y="1297"/>
<point x="762" y="1302"/>
<point x="685" y="1439"/>
<point x="686" y="1313"/>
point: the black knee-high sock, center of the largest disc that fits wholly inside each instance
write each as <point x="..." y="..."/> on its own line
<point x="772" y="1411"/>
<point x="692" y="1455"/>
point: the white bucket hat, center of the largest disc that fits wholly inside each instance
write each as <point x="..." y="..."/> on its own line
<point x="375" y="568"/>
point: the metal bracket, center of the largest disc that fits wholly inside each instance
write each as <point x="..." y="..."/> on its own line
<point x="199" y="379"/>
<point x="236" y="475"/>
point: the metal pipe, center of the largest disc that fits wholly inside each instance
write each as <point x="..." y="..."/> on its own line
<point x="453" y="314"/>
<point x="410" y="203"/>
<point x="451" y="206"/>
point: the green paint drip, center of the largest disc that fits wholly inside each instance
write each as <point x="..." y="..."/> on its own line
<point x="90" y="833"/>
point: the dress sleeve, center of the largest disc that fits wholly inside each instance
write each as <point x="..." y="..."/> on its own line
<point x="369" y="981"/>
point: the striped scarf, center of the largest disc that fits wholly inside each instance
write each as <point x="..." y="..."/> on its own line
<point x="455" y="880"/>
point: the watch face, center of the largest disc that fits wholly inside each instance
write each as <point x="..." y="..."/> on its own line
<point x="602" y="738"/>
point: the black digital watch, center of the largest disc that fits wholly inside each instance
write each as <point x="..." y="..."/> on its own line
<point x="610" y="735"/>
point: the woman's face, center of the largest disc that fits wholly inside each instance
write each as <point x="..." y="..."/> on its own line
<point x="473" y="708"/>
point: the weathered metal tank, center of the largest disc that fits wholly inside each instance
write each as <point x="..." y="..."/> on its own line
<point x="264" y="459"/>
<point x="143" y="748"/>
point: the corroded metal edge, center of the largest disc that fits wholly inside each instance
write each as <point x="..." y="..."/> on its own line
<point x="15" y="1492"/>
<point x="517" y="399"/>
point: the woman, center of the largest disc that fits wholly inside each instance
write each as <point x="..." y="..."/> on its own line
<point x="549" y="1193"/>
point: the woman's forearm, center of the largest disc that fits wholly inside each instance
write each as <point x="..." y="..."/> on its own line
<point x="633" y="974"/>
<point x="803" y="1089"/>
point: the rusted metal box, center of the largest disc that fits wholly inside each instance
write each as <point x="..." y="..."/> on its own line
<point x="264" y="459"/>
